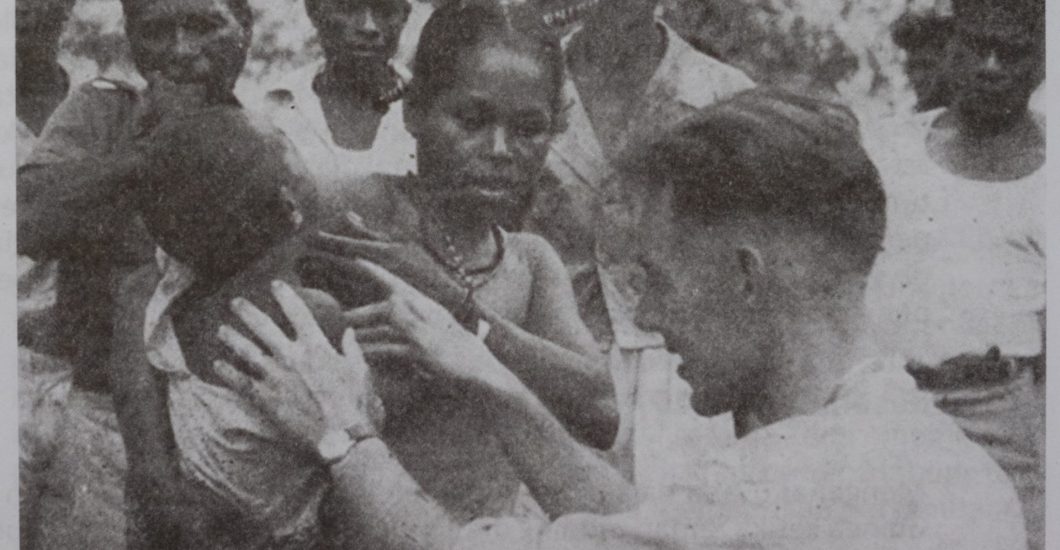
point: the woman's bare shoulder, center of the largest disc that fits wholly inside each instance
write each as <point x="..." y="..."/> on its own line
<point x="537" y="251"/>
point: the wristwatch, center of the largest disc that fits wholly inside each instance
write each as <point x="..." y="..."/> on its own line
<point x="336" y="444"/>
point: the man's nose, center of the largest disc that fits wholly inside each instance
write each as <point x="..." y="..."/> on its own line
<point x="370" y="25"/>
<point x="990" y="65"/>
<point x="500" y="148"/>
<point x="363" y="25"/>
<point x="184" y="45"/>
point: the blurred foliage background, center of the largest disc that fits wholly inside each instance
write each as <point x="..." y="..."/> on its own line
<point x="839" y="48"/>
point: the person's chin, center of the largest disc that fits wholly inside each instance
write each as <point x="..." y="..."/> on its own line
<point x="489" y="203"/>
<point x="705" y="405"/>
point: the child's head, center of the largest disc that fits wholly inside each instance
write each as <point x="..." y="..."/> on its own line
<point x="484" y="104"/>
<point x="222" y="189"/>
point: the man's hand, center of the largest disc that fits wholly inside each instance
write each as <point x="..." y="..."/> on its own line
<point x="331" y="265"/>
<point x="304" y="385"/>
<point x="410" y="326"/>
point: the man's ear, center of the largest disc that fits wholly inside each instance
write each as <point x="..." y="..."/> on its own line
<point x="752" y="271"/>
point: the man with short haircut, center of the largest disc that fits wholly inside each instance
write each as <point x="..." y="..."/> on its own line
<point x="757" y="222"/>
<point x="75" y="205"/>
<point x="631" y="78"/>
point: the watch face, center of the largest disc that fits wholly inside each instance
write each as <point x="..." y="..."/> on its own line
<point x="334" y="445"/>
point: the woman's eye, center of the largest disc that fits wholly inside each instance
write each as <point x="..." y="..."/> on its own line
<point x="472" y="120"/>
<point x="530" y="128"/>
<point x="201" y="26"/>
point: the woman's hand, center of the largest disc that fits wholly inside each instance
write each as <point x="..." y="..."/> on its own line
<point x="304" y="385"/>
<point x="411" y="326"/>
<point x="331" y="264"/>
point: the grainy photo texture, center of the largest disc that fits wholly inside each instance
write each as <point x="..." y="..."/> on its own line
<point x="531" y="274"/>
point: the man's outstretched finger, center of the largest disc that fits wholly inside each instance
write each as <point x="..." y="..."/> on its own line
<point x="368" y="316"/>
<point x="235" y="380"/>
<point x="358" y="229"/>
<point x="305" y="325"/>
<point x="257" y="363"/>
<point x="378" y="350"/>
<point x="378" y="333"/>
<point x="351" y="349"/>
<point x="261" y="325"/>
<point x="349" y="247"/>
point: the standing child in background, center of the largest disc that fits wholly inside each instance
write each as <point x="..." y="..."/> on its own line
<point x="344" y="112"/>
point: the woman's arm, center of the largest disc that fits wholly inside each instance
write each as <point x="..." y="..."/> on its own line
<point x="554" y="354"/>
<point x="569" y="375"/>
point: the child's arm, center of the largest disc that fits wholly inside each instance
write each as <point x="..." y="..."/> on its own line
<point x="153" y="484"/>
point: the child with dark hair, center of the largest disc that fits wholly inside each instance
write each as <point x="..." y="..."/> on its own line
<point x="225" y="199"/>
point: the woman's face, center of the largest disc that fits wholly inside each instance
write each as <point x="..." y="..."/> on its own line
<point x="481" y="143"/>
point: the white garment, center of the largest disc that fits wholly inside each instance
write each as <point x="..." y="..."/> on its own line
<point x="294" y="107"/>
<point x="879" y="467"/>
<point x="653" y="402"/>
<point x="227" y="444"/>
<point x="963" y="266"/>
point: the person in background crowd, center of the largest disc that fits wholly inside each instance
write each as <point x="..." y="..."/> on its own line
<point x="74" y="202"/>
<point x="758" y="222"/>
<point x="345" y="112"/>
<point x="483" y="105"/>
<point x="41" y="84"/>
<point x="925" y="37"/>
<point x="965" y="270"/>
<point x="631" y="77"/>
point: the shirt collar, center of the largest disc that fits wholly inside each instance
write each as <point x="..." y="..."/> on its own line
<point x="671" y="79"/>
<point x="160" y="341"/>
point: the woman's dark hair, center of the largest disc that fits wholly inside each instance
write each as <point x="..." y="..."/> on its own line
<point x="240" y="10"/>
<point x="775" y="154"/>
<point x="454" y="30"/>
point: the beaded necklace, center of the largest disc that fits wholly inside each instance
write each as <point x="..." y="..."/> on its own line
<point x="471" y="279"/>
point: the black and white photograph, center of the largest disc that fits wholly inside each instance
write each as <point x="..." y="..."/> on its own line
<point x="529" y="274"/>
